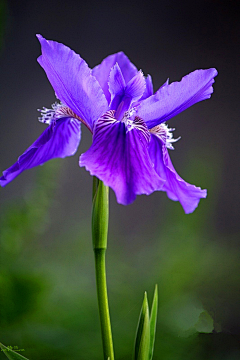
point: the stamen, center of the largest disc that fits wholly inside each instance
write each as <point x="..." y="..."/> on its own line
<point x="163" y="132"/>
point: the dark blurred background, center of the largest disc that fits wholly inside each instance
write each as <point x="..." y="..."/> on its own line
<point x="47" y="287"/>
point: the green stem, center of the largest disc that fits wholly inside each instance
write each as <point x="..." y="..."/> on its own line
<point x="99" y="236"/>
<point x="103" y="304"/>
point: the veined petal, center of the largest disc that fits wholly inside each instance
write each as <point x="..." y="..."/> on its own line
<point x="59" y="140"/>
<point x="136" y="87"/>
<point x="149" y="88"/>
<point x="102" y="71"/>
<point x="116" y="85"/>
<point x="118" y="88"/>
<point x="122" y="93"/>
<point x="172" y="99"/>
<point x="119" y="157"/>
<point x="176" y="188"/>
<point x="72" y="81"/>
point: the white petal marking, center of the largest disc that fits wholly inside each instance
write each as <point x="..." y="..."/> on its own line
<point x="163" y="132"/>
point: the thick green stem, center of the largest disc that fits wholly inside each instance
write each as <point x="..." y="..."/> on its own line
<point x="103" y="304"/>
<point x="99" y="236"/>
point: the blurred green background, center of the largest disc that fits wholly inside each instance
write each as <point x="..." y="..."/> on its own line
<point x="48" y="302"/>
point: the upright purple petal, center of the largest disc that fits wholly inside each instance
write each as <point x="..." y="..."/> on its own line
<point x="116" y="85"/>
<point x="102" y="71"/>
<point x="172" y="99"/>
<point x="119" y="157"/>
<point x="57" y="141"/>
<point x="122" y="93"/>
<point x="177" y="189"/>
<point x="72" y="81"/>
<point x="149" y="88"/>
<point x="136" y="87"/>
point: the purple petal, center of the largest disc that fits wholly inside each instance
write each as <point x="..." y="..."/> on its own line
<point x="102" y="71"/>
<point x="177" y="189"/>
<point x="122" y="93"/>
<point x="116" y="85"/>
<point x="149" y="88"/>
<point x="72" y="81"/>
<point x="57" y="141"/>
<point x="136" y="87"/>
<point x="172" y="99"/>
<point x="119" y="157"/>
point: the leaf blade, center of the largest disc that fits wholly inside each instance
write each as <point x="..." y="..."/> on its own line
<point x="153" y="322"/>
<point x="142" y="342"/>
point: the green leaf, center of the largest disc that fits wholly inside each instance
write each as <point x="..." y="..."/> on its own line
<point x="142" y="342"/>
<point x="11" y="354"/>
<point x="153" y="321"/>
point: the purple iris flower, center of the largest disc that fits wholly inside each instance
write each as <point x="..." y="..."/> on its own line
<point x="116" y="102"/>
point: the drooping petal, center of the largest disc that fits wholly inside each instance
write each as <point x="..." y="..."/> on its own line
<point x="172" y="99"/>
<point x="119" y="157"/>
<point x="102" y="71"/>
<point x="176" y="188"/>
<point x="72" y="81"/>
<point x="57" y="141"/>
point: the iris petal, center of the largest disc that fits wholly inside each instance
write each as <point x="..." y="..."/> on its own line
<point x="177" y="189"/>
<point x="72" y="81"/>
<point x="116" y="85"/>
<point x="136" y="87"/>
<point x="57" y="141"/>
<point x="172" y="99"/>
<point x="119" y="157"/>
<point x="122" y="92"/>
<point x="149" y="88"/>
<point x="102" y="71"/>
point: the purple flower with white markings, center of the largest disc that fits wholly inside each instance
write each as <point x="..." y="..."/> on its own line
<point x="116" y="102"/>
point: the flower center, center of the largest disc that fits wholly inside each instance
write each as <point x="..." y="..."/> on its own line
<point x="127" y="115"/>
<point x="164" y="133"/>
<point x="135" y="123"/>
